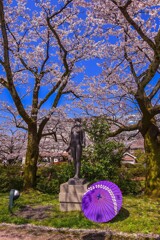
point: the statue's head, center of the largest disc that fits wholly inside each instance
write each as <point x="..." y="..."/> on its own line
<point x="78" y="120"/>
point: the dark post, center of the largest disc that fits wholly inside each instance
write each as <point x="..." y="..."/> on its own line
<point x="13" y="195"/>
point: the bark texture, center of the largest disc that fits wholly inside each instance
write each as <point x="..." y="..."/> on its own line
<point x="32" y="154"/>
<point x="152" y="148"/>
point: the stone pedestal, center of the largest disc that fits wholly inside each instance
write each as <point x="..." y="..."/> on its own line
<point x="71" y="193"/>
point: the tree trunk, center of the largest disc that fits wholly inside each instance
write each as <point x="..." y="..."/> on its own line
<point x="32" y="154"/>
<point x="152" y="148"/>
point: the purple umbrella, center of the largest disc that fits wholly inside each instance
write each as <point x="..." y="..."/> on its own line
<point x="102" y="201"/>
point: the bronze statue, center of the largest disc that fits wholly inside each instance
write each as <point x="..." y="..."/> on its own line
<point x="77" y="142"/>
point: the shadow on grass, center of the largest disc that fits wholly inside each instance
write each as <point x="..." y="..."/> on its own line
<point x="36" y="213"/>
<point x="122" y="215"/>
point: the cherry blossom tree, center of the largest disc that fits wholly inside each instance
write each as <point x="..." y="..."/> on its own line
<point x="128" y="89"/>
<point x="12" y="139"/>
<point x="41" y="45"/>
<point x="55" y="138"/>
<point x="12" y="144"/>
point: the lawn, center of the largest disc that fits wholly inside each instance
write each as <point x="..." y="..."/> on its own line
<point x="139" y="214"/>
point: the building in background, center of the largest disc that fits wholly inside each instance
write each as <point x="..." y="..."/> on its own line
<point x="128" y="158"/>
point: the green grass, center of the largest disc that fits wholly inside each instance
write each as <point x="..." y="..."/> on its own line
<point x="138" y="214"/>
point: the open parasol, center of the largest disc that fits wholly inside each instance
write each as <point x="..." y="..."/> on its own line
<point x="102" y="201"/>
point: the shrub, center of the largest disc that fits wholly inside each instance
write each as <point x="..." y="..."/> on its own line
<point x="127" y="182"/>
<point x="50" y="178"/>
<point x="137" y="170"/>
<point x="48" y="186"/>
<point x="102" y="158"/>
<point x="10" y="178"/>
<point x="130" y="187"/>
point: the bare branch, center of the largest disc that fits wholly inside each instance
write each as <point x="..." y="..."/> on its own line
<point x="133" y="135"/>
<point x="149" y="59"/>
<point x="151" y="71"/>
<point x="27" y="67"/>
<point x="1" y="62"/>
<point x="155" y="110"/>
<point x="128" y="3"/>
<point x="62" y="8"/>
<point x="3" y="82"/>
<point x="47" y="54"/>
<point x="53" y="133"/>
<point x="59" y="93"/>
<point x="155" y="90"/>
<point x="72" y="92"/>
<point x="55" y="87"/>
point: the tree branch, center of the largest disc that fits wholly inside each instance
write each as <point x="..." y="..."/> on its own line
<point x="47" y="54"/>
<point x="59" y="93"/>
<point x="149" y="59"/>
<point x="71" y="91"/>
<point x="54" y="105"/>
<point x="155" y="90"/>
<point x="18" y="48"/>
<point x="49" y="134"/>
<point x="4" y="83"/>
<point x="124" y="129"/>
<point x="155" y="110"/>
<point x="131" y="66"/>
<point x="34" y="111"/>
<point x="6" y="62"/>
<point x="151" y="71"/>
<point x="62" y="48"/>
<point x="58" y="12"/>
<point x="50" y="93"/>
<point x="8" y="70"/>
<point x="123" y="10"/>
<point x="18" y="124"/>
<point x="64" y="59"/>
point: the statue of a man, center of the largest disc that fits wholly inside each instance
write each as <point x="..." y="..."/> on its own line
<point x="77" y="142"/>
